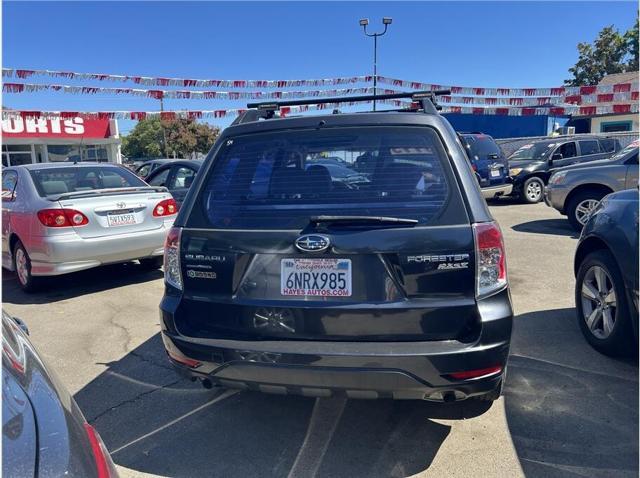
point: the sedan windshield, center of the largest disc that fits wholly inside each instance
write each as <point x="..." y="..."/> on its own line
<point x="70" y="179"/>
<point x="532" y="151"/>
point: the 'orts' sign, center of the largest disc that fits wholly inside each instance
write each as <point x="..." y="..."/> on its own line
<point x="78" y="127"/>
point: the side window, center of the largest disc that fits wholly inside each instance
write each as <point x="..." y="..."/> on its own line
<point x="144" y="170"/>
<point x="182" y="178"/>
<point x="161" y="178"/>
<point x="568" y="150"/>
<point x="9" y="181"/>
<point x="607" y="145"/>
<point x="589" y="147"/>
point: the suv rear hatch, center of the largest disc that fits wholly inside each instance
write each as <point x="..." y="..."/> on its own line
<point x="356" y="233"/>
<point x="487" y="158"/>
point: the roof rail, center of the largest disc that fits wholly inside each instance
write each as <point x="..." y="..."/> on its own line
<point x="266" y="110"/>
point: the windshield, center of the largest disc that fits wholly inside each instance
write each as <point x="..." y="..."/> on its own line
<point x="74" y="179"/>
<point x="532" y="151"/>
<point x="627" y="151"/>
<point x="280" y="180"/>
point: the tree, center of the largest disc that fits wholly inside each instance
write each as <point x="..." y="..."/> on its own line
<point x="183" y="136"/>
<point x="604" y="57"/>
<point x="631" y="37"/>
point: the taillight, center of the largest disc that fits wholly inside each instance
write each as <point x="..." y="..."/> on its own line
<point x="474" y="167"/>
<point x="481" y="372"/>
<point x="491" y="266"/>
<point x="168" y="207"/>
<point x="100" y="453"/>
<point x="62" y="217"/>
<point x="172" y="273"/>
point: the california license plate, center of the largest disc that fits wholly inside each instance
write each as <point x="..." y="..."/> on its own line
<point x="315" y="277"/>
<point x="121" y="219"/>
<point x="495" y="173"/>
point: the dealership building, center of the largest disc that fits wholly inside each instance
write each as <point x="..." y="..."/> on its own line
<point x="44" y="140"/>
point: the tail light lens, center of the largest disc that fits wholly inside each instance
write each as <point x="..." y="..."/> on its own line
<point x="103" y="462"/>
<point x="491" y="266"/>
<point x="62" y="218"/>
<point x="172" y="273"/>
<point x="168" y="207"/>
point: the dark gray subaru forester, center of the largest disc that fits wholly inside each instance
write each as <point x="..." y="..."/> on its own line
<point x="339" y="254"/>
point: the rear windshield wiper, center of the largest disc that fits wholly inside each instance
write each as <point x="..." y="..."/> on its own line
<point x="362" y="221"/>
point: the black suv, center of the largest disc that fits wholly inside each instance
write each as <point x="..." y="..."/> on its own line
<point x="282" y="276"/>
<point x="532" y="164"/>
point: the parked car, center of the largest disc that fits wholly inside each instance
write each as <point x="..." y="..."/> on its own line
<point x="606" y="268"/>
<point x="576" y="190"/>
<point x="146" y="168"/>
<point x="532" y="164"/>
<point x="176" y="176"/>
<point x="43" y="430"/>
<point x="60" y="218"/>
<point x="489" y="163"/>
<point x="396" y="287"/>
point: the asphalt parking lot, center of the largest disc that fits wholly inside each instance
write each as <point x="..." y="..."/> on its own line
<point x="566" y="410"/>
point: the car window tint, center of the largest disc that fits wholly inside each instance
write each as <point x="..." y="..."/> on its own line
<point x="74" y="179"/>
<point x="589" y="147"/>
<point x="568" y="150"/>
<point x="160" y="179"/>
<point x="481" y="146"/>
<point x="607" y="145"/>
<point x="275" y="180"/>
<point x="144" y="170"/>
<point x="182" y="178"/>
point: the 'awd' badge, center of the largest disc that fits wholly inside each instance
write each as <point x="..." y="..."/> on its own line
<point x="201" y="274"/>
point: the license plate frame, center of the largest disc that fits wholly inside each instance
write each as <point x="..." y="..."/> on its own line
<point x="495" y="173"/>
<point x="115" y="219"/>
<point x="313" y="277"/>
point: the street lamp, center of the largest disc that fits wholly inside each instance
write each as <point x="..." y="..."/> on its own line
<point x="386" y="21"/>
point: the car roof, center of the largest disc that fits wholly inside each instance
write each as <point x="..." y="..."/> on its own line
<point x="182" y="162"/>
<point x="79" y="164"/>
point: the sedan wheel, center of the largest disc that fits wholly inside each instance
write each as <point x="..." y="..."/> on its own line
<point x="22" y="264"/>
<point x="599" y="305"/>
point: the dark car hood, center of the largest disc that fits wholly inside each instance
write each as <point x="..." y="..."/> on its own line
<point x="525" y="163"/>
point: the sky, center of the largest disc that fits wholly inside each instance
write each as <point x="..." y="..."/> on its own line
<point x="490" y="44"/>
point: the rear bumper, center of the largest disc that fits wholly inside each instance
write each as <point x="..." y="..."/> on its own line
<point x="401" y="370"/>
<point x="495" y="191"/>
<point x="62" y="254"/>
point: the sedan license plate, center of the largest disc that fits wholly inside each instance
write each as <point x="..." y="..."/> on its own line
<point x="114" y="220"/>
<point x="315" y="277"/>
<point x="495" y="173"/>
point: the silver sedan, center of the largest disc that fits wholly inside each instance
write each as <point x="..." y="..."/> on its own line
<point x="59" y="218"/>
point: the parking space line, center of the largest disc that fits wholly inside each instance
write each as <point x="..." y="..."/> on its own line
<point x="324" y="420"/>
<point x="219" y="398"/>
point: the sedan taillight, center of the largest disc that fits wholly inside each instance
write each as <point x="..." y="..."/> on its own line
<point x="168" y="207"/>
<point x="491" y="266"/>
<point x="62" y="218"/>
<point x="172" y="273"/>
<point x="104" y="467"/>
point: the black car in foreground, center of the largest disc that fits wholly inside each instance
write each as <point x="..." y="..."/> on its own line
<point x="43" y="431"/>
<point x="606" y="268"/>
<point x="281" y="278"/>
<point x="531" y="165"/>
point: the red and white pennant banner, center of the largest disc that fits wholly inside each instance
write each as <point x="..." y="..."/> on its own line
<point x="236" y="95"/>
<point x="185" y="82"/>
<point x="9" y="115"/>
<point x="481" y="91"/>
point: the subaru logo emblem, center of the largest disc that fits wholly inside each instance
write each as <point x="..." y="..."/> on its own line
<point x="121" y="205"/>
<point x="312" y="243"/>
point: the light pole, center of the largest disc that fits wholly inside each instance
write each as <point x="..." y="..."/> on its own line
<point x="386" y="21"/>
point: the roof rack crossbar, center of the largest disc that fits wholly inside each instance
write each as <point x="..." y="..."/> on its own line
<point x="414" y="95"/>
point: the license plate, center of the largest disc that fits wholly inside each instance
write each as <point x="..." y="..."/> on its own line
<point x="495" y="173"/>
<point x="315" y="277"/>
<point x="121" y="219"/>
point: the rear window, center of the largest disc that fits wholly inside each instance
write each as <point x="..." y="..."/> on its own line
<point x="280" y="180"/>
<point x="481" y="146"/>
<point x="69" y="179"/>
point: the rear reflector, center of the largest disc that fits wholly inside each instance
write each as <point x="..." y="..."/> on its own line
<point x="62" y="218"/>
<point x="491" y="267"/>
<point x="481" y="372"/>
<point x="181" y="359"/>
<point x="168" y="207"/>
<point x="100" y="453"/>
